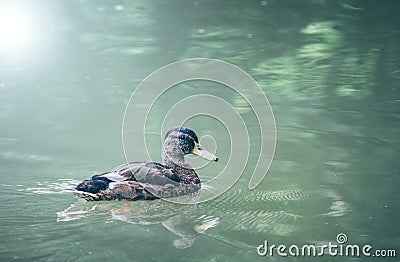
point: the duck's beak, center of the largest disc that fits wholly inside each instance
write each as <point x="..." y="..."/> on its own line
<point x="201" y="152"/>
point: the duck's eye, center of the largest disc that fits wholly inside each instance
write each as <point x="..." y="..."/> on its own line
<point x="182" y="137"/>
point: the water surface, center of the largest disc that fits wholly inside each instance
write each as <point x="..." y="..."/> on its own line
<point x="330" y="71"/>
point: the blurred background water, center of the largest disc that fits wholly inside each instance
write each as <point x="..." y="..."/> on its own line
<point x="330" y="69"/>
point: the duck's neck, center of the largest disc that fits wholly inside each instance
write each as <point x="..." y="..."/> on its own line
<point x="174" y="158"/>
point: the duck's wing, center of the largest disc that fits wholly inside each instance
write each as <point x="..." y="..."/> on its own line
<point x="144" y="172"/>
<point x="139" y="178"/>
<point x="138" y="181"/>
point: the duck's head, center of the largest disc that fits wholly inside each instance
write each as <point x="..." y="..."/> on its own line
<point x="181" y="141"/>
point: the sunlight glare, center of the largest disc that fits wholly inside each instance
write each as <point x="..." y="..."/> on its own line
<point x="17" y="29"/>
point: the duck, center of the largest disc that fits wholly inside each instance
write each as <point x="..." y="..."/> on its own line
<point x="150" y="180"/>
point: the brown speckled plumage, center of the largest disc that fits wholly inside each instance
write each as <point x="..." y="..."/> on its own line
<point x="149" y="180"/>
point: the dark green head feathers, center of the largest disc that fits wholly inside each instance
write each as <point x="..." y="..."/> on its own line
<point x="183" y="132"/>
<point x="187" y="141"/>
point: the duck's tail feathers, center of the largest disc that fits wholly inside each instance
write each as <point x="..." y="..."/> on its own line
<point x="94" y="185"/>
<point x="86" y="195"/>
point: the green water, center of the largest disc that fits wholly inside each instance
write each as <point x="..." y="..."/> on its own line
<point x="330" y="70"/>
